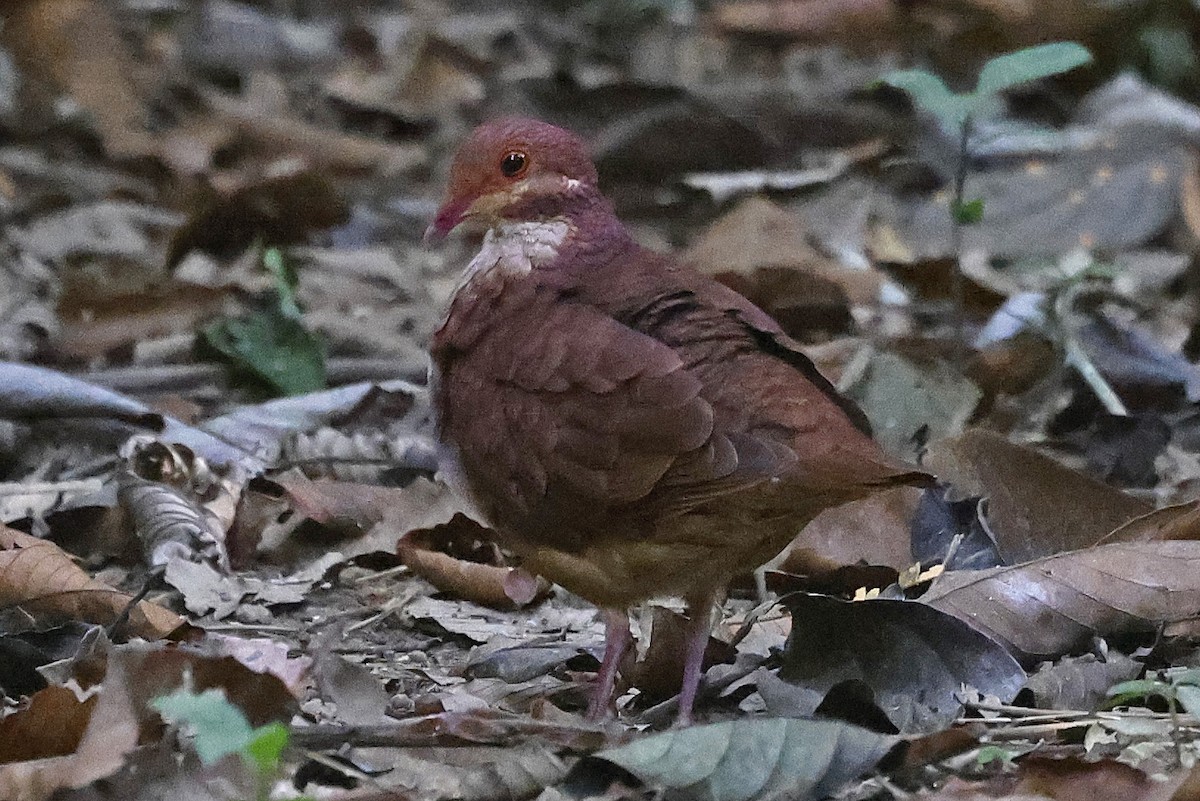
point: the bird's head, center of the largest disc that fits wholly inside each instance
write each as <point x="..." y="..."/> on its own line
<point x="514" y="169"/>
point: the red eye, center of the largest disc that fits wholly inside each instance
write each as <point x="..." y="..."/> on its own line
<point x="513" y="164"/>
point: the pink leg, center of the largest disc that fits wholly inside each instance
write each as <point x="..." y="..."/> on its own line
<point x="698" y="629"/>
<point x="616" y="642"/>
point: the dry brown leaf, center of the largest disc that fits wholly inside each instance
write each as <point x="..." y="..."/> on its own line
<point x="51" y="725"/>
<point x="278" y="210"/>
<point x="40" y="577"/>
<point x="1178" y="522"/>
<point x="1048" y="607"/>
<point x="1070" y="779"/>
<point x="1036" y="506"/>
<point x="74" y="46"/>
<point x="875" y="530"/>
<point x="95" y="324"/>
<point x="494" y="585"/>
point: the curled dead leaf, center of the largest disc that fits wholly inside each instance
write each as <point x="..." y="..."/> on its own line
<point x="40" y="577"/>
<point x="497" y="586"/>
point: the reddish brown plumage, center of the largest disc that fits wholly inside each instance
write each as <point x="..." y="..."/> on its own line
<point x="631" y="427"/>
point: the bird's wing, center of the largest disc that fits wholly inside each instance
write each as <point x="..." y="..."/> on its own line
<point x="557" y="406"/>
<point x="783" y="418"/>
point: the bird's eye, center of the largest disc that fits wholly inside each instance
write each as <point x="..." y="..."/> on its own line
<point x="512" y="164"/>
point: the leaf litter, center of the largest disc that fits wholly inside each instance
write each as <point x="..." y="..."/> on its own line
<point x="265" y="175"/>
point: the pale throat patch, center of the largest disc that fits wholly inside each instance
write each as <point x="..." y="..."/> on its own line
<point x="514" y="249"/>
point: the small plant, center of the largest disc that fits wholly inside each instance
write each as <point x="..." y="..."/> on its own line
<point x="957" y="113"/>
<point x="1180" y="689"/>
<point x="272" y="345"/>
<point x="219" y="729"/>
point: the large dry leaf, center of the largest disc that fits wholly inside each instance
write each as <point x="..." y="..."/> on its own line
<point x="1178" y="522"/>
<point x="875" y="530"/>
<point x="835" y="641"/>
<point x="1036" y="506"/>
<point x="40" y="577"/>
<point x="743" y="759"/>
<point x="1048" y="607"/>
<point x="74" y="46"/>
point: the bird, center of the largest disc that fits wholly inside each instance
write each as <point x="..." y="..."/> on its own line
<point x="631" y="428"/>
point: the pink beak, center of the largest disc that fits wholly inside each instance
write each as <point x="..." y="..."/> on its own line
<point x="448" y="217"/>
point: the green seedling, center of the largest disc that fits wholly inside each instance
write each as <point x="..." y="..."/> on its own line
<point x="956" y="112"/>
<point x="272" y="345"/>
<point x="219" y="729"/>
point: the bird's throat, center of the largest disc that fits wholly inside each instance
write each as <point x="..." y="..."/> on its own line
<point x="514" y="249"/>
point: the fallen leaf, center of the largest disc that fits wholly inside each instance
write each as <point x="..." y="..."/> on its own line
<point x="1030" y="495"/>
<point x="50" y="724"/>
<point x="41" y="579"/>
<point x="94" y="326"/>
<point x="490" y="584"/>
<point x="909" y="404"/>
<point x="913" y="662"/>
<point x="745" y="759"/>
<point x="1079" y="682"/>
<point x="876" y="530"/>
<point x="277" y="210"/>
<point x="1051" y="606"/>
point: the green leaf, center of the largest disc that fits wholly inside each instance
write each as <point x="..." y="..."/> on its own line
<point x="931" y="94"/>
<point x="968" y="212"/>
<point x="743" y="759"/>
<point x="1032" y="63"/>
<point x="1138" y="688"/>
<point x="274" y="347"/>
<point x="219" y="727"/>
<point x="286" y="281"/>
<point x="267" y="747"/>
<point x="994" y="753"/>
<point x="1188" y="696"/>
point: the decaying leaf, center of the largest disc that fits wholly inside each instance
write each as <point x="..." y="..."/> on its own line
<point x="1054" y="605"/>
<point x="50" y="725"/>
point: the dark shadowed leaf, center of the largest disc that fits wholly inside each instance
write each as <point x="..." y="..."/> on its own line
<point x="1051" y="606"/>
<point x="744" y="759"/>
<point x="914" y="662"/>
<point x="939" y="520"/>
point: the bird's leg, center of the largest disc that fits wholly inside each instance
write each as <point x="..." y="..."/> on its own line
<point x="699" y="627"/>
<point x="616" y="642"/>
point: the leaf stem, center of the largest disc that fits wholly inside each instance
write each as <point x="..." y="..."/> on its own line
<point x="957" y="281"/>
